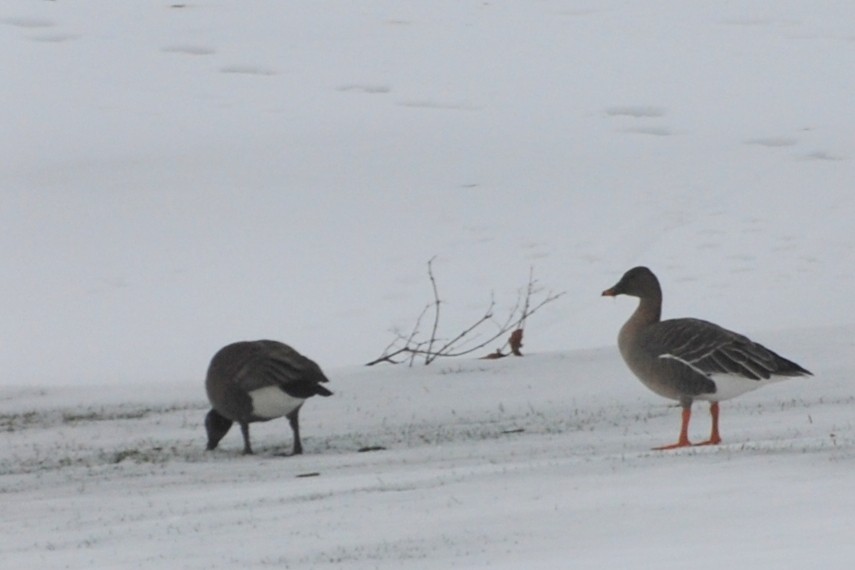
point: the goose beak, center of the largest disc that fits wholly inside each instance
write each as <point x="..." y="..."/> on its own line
<point x="610" y="293"/>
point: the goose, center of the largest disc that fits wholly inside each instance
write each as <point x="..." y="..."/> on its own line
<point x="257" y="381"/>
<point x="691" y="359"/>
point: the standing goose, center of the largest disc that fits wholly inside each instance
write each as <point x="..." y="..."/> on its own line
<point x="688" y="359"/>
<point x="256" y="381"/>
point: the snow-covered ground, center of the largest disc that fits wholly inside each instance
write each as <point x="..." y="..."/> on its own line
<point x="176" y="176"/>
<point x="535" y="462"/>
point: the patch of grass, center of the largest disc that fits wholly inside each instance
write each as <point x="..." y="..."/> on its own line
<point x="101" y="414"/>
<point x="14" y="422"/>
<point x="140" y="455"/>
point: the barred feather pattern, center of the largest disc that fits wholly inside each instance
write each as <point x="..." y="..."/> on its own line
<point x="259" y="364"/>
<point x="713" y="350"/>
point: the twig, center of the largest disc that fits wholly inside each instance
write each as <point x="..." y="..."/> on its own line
<point x="529" y="292"/>
<point x="436" y="303"/>
<point x="444" y="350"/>
<point x="433" y="348"/>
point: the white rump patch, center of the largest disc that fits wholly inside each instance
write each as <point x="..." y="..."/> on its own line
<point x="271" y="402"/>
<point x="727" y="385"/>
<point x="730" y="386"/>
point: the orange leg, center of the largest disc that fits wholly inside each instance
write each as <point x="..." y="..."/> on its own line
<point x="684" y="432"/>
<point x="715" y="438"/>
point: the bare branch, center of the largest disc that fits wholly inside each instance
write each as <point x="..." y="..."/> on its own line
<point x="466" y="341"/>
<point x="436" y="303"/>
<point x="448" y="346"/>
<point x="387" y="357"/>
<point x="416" y="327"/>
<point x="529" y="292"/>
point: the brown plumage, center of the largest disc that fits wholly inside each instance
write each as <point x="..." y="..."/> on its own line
<point x="256" y="381"/>
<point x="688" y="359"/>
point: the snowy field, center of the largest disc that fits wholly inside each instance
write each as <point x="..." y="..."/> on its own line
<point x="535" y="462"/>
<point x="178" y="176"/>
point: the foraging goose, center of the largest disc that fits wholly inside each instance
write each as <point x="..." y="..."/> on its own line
<point x="256" y="381"/>
<point x="689" y="359"/>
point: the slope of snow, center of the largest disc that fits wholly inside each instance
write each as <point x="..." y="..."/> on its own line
<point x="175" y="177"/>
<point x="178" y="178"/>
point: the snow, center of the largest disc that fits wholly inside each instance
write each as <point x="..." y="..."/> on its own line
<point x="542" y="461"/>
<point x="176" y="177"/>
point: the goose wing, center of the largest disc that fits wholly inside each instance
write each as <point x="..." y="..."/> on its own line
<point x="712" y="349"/>
<point x="270" y="363"/>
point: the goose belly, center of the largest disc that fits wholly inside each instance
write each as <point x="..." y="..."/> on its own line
<point x="731" y="385"/>
<point x="271" y="402"/>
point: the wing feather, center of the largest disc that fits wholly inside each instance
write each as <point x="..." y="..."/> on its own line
<point x="271" y="363"/>
<point x="712" y="349"/>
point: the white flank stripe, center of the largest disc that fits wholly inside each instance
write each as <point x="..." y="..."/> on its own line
<point x="727" y="385"/>
<point x="271" y="402"/>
